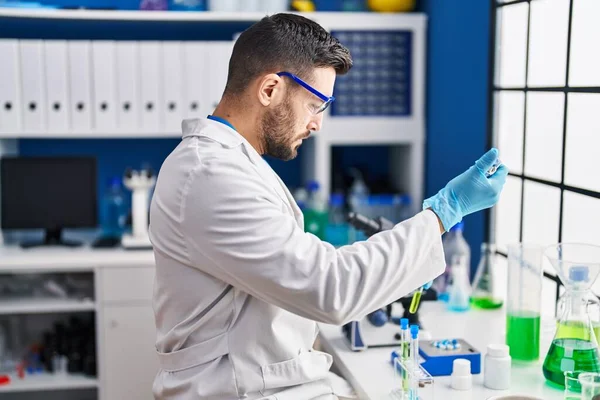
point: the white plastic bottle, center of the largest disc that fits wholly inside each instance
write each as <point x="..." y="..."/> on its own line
<point x="454" y="245"/>
<point x="497" y="367"/>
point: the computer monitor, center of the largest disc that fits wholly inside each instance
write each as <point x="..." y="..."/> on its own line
<point x="50" y="193"/>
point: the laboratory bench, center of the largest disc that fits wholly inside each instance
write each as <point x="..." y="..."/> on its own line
<point x="372" y="375"/>
<point x="116" y="305"/>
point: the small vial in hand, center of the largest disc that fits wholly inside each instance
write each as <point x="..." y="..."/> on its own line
<point x="493" y="168"/>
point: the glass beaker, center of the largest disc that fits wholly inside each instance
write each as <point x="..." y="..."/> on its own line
<point x="574" y="347"/>
<point x="523" y="301"/>
<point x="572" y="385"/>
<point x="590" y="386"/>
<point x="485" y="285"/>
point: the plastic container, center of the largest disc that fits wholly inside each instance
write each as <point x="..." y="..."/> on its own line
<point x="154" y="5"/>
<point x="337" y="232"/>
<point x="523" y="301"/>
<point x="392" y="5"/>
<point x="315" y="214"/>
<point x="459" y="291"/>
<point x="497" y="367"/>
<point x="187" y="5"/>
<point x="461" y="378"/>
<point x="114" y="211"/>
<point x="454" y="244"/>
<point x="223" y="5"/>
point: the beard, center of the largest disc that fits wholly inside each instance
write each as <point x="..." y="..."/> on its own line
<point x="277" y="126"/>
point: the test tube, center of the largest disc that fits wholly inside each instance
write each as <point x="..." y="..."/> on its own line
<point x="493" y="168"/>
<point x="416" y="299"/>
<point x="414" y="355"/>
<point x="405" y="336"/>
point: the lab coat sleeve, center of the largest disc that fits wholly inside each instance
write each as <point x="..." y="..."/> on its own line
<point x="237" y="229"/>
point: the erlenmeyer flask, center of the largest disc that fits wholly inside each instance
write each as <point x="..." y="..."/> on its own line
<point x="574" y="347"/>
<point x="459" y="292"/>
<point x="485" y="291"/>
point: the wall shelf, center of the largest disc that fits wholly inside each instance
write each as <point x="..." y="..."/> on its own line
<point x="207" y="16"/>
<point x="46" y="381"/>
<point x="44" y="306"/>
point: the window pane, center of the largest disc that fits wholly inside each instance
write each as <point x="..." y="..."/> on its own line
<point x="548" y="298"/>
<point x="541" y="213"/>
<point x="511" y="108"/>
<point x="548" y="32"/>
<point x="501" y="277"/>
<point x="581" y="218"/>
<point x="543" y="147"/>
<point x="583" y="141"/>
<point x="508" y="214"/>
<point x="512" y="45"/>
<point x="585" y="31"/>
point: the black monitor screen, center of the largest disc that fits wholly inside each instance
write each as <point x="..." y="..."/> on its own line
<point x="48" y="193"/>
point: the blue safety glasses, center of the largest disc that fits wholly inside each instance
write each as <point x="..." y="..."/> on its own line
<point x="326" y="99"/>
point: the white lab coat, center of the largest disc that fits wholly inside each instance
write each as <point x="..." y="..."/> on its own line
<point x="239" y="284"/>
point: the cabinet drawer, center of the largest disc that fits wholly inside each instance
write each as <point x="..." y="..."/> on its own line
<point x="127" y="284"/>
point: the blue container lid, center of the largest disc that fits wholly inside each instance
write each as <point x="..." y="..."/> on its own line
<point x="312" y="186"/>
<point x="336" y="199"/>
<point x="403" y="323"/>
<point x="579" y="273"/>
<point x="114" y="181"/>
<point x="414" y="331"/>
<point x="458" y="227"/>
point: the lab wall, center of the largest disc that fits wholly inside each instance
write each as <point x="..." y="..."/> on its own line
<point x="457" y="110"/>
<point x="456" y="91"/>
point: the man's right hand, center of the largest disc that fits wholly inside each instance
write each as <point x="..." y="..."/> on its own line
<point x="469" y="192"/>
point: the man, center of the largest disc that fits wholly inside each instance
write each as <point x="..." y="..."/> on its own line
<point x="239" y="284"/>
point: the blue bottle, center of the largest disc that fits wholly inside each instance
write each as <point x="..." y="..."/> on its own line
<point x="114" y="212"/>
<point x="338" y="230"/>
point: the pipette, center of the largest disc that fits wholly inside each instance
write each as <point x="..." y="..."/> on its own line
<point x="416" y="299"/>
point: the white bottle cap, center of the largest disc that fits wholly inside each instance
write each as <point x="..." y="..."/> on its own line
<point x="461" y="378"/>
<point x="498" y="350"/>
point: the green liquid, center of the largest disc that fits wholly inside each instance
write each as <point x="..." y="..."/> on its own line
<point x="414" y="303"/>
<point x="316" y="222"/>
<point x="570" y="355"/>
<point x="405" y="355"/>
<point x="575" y="330"/>
<point x="523" y="336"/>
<point x="486" y="303"/>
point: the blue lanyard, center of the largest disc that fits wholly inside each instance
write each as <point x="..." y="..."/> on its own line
<point x="221" y="120"/>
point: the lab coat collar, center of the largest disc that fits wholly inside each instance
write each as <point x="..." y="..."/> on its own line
<point x="214" y="130"/>
<point x="230" y="138"/>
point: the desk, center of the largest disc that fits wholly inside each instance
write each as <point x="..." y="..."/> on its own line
<point x="121" y="308"/>
<point x="372" y="375"/>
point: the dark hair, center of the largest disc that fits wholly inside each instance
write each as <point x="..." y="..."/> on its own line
<point x="284" y="42"/>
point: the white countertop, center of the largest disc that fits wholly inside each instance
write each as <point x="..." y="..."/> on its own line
<point x="79" y="258"/>
<point x="372" y="375"/>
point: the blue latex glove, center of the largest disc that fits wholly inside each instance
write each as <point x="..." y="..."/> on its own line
<point x="469" y="192"/>
<point x="427" y="285"/>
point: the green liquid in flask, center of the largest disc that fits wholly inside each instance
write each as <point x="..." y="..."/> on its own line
<point x="523" y="336"/>
<point x="486" y="303"/>
<point x="570" y="355"/>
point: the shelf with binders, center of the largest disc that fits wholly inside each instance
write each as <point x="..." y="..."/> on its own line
<point x="82" y="89"/>
<point x="138" y="74"/>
